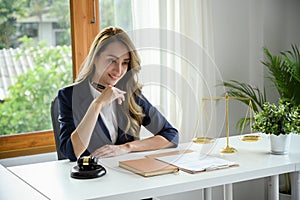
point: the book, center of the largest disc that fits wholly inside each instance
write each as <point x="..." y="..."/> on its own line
<point x="148" y="167"/>
<point x="193" y="162"/>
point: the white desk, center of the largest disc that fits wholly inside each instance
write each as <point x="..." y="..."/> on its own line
<point x="11" y="187"/>
<point x="53" y="178"/>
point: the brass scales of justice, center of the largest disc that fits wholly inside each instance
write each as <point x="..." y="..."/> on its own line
<point x="245" y="138"/>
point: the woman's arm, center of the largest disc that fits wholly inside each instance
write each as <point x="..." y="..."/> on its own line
<point x="151" y="143"/>
<point x="82" y="134"/>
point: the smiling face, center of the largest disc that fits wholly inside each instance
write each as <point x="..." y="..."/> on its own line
<point x="112" y="64"/>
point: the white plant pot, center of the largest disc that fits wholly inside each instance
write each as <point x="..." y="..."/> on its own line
<point x="280" y="143"/>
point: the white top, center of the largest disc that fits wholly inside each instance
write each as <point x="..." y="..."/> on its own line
<point x="108" y="115"/>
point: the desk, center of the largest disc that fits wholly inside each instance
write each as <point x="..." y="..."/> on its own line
<point x="11" y="187"/>
<point x="53" y="178"/>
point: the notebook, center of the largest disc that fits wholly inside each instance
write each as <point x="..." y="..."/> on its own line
<point x="148" y="167"/>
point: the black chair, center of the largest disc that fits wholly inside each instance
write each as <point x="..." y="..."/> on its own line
<point x="55" y="125"/>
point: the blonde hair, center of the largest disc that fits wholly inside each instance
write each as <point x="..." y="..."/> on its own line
<point x="131" y="111"/>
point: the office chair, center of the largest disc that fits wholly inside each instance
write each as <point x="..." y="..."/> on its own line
<point x="55" y="125"/>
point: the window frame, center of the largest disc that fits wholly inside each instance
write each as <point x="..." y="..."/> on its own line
<point x="84" y="27"/>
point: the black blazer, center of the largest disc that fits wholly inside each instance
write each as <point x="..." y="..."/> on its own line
<point x="73" y="102"/>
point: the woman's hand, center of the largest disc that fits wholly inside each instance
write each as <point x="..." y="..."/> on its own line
<point x="108" y="95"/>
<point x="151" y="143"/>
<point x="110" y="150"/>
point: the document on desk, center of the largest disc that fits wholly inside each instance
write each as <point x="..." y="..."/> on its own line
<point x="194" y="163"/>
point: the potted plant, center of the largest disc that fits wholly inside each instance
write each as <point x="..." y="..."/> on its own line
<point x="280" y="122"/>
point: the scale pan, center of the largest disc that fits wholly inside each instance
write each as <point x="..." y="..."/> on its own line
<point x="250" y="138"/>
<point x="203" y="140"/>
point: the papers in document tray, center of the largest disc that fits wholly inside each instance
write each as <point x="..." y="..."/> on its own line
<point x="194" y="163"/>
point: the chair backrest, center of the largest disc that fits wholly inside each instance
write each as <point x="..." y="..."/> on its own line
<point x="55" y="125"/>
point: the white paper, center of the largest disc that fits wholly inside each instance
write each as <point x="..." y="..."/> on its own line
<point x="194" y="162"/>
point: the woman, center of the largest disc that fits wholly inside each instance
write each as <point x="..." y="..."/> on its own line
<point x="102" y="112"/>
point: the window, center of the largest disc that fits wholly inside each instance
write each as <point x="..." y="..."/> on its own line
<point x="61" y="34"/>
<point x="29" y="29"/>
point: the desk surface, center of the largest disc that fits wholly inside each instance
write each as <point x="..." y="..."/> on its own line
<point x="54" y="181"/>
<point x="11" y="187"/>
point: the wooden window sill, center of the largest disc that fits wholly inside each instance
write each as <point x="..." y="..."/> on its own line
<point x="27" y="144"/>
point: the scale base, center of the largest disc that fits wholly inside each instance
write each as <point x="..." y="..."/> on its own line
<point x="228" y="150"/>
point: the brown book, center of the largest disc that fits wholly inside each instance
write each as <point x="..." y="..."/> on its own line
<point x="148" y="167"/>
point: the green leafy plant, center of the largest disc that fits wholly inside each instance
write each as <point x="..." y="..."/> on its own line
<point x="281" y="119"/>
<point x="285" y="73"/>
